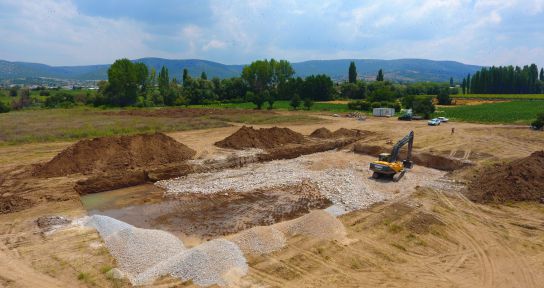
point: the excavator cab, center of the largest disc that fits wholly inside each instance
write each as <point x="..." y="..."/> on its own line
<point x="384" y="157"/>
<point x="387" y="163"/>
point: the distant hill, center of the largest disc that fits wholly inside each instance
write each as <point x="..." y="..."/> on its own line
<point x="405" y="70"/>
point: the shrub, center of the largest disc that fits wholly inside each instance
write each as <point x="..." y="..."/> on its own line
<point x="359" y="105"/>
<point x="376" y="105"/>
<point x="295" y="102"/>
<point x="444" y="97"/>
<point x="539" y="122"/>
<point x="44" y="93"/>
<point x="61" y="99"/>
<point x="4" y="108"/>
<point x="308" y="103"/>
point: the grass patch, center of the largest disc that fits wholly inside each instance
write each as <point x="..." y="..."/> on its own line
<point x="48" y="125"/>
<point x="515" y="112"/>
<point x="86" y="278"/>
<point x="501" y="96"/>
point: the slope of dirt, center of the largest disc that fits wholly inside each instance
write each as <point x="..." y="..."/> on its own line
<point x="520" y="180"/>
<point x="110" y="154"/>
<point x="264" y="138"/>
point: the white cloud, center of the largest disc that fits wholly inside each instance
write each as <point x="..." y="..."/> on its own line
<point x="214" y="44"/>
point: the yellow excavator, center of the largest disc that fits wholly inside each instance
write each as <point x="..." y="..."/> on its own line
<point x="388" y="164"/>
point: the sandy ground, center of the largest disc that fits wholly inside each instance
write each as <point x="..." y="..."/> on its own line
<point x="430" y="238"/>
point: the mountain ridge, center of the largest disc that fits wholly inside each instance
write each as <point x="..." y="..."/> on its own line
<point x="403" y="70"/>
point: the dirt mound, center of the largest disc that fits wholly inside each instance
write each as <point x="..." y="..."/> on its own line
<point x="13" y="203"/>
<point x="325" y="133"/>
<point x="321" y="133"/>
<point x="343" y="132"/>
<point x="421" y="223"/>
<point x="111" y="154"/>
<point x="519" y="180"/>
<point x="264" y="138"/>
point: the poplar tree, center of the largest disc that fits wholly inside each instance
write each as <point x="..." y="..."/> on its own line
<point x="352" y="72"/>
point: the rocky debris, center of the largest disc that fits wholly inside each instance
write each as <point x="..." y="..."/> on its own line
<point x="317" y="224"/>
<point x="341" y="186"/>
<point x="264" y="138"/>
<point x="260" y="240"/>
<point x="146" y="254"/>
<point x="10" y="203"/>
<point x="115" y="274"/>
<point x="519" y="180"/>
<point x="46" y="222"/>
<point x="113" y="154"/>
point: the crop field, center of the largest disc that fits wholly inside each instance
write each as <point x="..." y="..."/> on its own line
<point x="501" y="96"/>
<point x="514" y="112"/>
<point x="282" y="105"/>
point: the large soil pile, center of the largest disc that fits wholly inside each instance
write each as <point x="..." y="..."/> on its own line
<point x="264" y="138"/>
<point x="519" y="180"/>
<point x="115" y="154"/>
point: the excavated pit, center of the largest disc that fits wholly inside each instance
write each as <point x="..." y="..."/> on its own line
<point x="418" y="157"/>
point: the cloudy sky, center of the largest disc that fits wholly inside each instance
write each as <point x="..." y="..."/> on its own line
<point x="74" y="32"/>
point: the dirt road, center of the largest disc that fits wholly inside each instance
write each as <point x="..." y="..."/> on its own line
<point x="430" y="238"/>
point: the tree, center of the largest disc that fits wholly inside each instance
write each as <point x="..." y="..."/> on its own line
<point x="423" y="105"/>
<point x="469" y="84"/>
<point x="318" y="87"/>
<point x="3" y="107"/>
<point x="451" y="82"/>
<point x="541" y="74"/>
<point x="263" y="75"/>
<point x="123" y="82"/>
<point x="23" y="101"/>
<point x="379" y="77"/>
<point x="352" y="72"/>
<point x="164" y="82"/>
<point x="308" y="103"/>
<point x="444" y="97"/>
<point x="270" y="98"/>
<point x="13" y="91"/>
<point x="203" y="76"/>
<point x="186" y="77"/>
<point x="295" y="101"/>
<point x="464" y="85"/>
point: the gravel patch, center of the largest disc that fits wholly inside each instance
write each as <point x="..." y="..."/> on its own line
<point x="344" y="187"/>
<point x="260" y="240"/>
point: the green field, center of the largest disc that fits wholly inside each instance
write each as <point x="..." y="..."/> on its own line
<point x="46" y="125"/>
<point x="514" y="112"/>
<point x="281" y="105"/>
<point x="501" y="96"/>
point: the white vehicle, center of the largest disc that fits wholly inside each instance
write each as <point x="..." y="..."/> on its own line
<point x="443" y="119"/>
<point x="434" y="122"/>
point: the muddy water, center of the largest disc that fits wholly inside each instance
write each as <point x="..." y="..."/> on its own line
<point x="197" y="217"/>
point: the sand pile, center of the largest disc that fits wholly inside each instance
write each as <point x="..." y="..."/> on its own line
<point x="317" y="224"/>
<point x="114" y="154"/>
<point x="264" y="138"/>
<point x="520" y="180"/>
<point x="146" y="254"/>
<point x="260" y="240"/>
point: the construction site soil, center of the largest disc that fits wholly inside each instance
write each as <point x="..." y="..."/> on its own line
<point x="519" y="180"/>
<point x="264" y="138"/>
<point x="419" y="232"/>
<point x="111" y="154"/>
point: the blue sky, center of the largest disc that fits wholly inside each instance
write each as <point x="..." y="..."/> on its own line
<point x="76" y="32"/>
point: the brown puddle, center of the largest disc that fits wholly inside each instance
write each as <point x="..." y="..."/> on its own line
<point x="204" y="216"/>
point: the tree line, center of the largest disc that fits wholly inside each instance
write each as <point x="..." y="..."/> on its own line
<point x="505" y="80"/>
